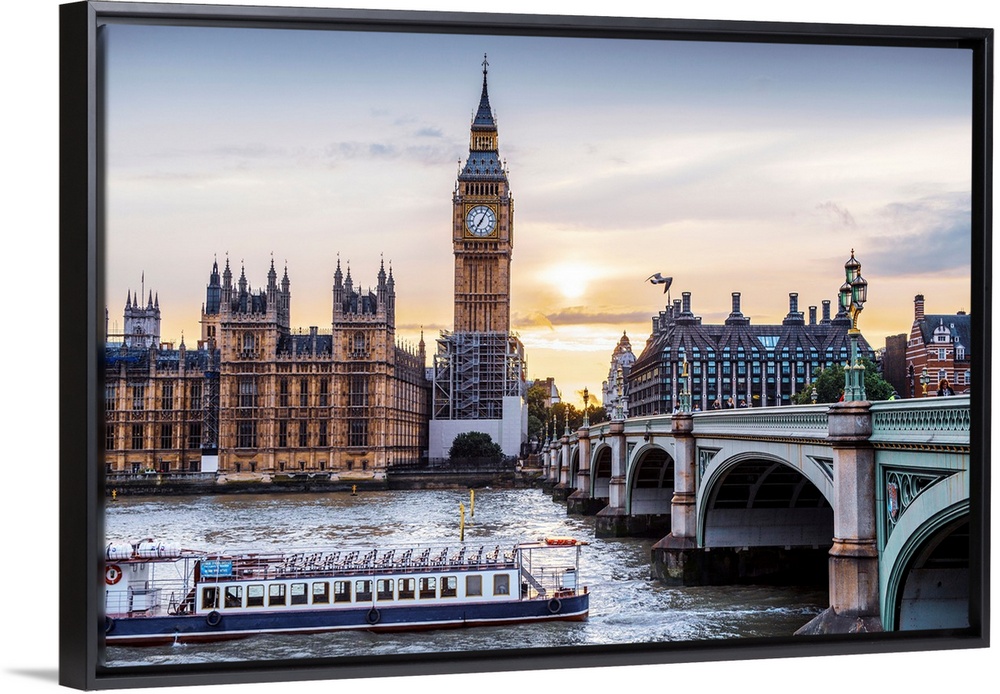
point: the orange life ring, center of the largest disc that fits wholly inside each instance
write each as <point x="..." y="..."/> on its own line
<point x="112" y="574"/>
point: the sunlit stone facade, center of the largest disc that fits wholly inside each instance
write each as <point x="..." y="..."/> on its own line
<point x="346" y="401"/>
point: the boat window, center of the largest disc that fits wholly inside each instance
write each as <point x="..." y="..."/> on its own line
<point x="234" y="596"/>
<point x="321" y="593"/>
<point x="501" y="584"/>
<point x="299" y="594"/>
<point x="363" y="590"/>
<point x="210" y="598"/>
<point x="449" y="586"/>
<point x="406" y="588"/>
<point x="341" y="591"/>
<point x="276" y="594"/>
<point x="474" y="585"/>
<point x="428" y="587"/>
<point x="255" y="596"/>
<point x="383" y="589"/>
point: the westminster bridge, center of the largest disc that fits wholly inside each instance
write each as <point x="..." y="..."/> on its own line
<point x="874" y="494"/>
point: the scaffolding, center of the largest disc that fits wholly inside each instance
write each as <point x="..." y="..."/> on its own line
<point x="474" y="372"/>
<point x="210" y="406"/>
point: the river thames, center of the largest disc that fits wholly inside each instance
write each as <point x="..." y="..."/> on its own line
<point x="626" y="605"/>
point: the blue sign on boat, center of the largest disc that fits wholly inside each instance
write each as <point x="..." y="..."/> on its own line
<point x="211" y="568"/>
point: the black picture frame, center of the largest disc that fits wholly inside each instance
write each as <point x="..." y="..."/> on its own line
<point x="82" y="306"/>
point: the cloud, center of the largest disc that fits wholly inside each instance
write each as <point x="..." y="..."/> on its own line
<point x="580" y="315"/>
<point x="843" y="216"/>
<point x="926" y="236"/>
<point x="534" y="319"/>
<point x="253" y="150"/>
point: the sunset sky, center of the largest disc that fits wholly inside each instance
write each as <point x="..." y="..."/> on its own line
<point x="730" y="167"/>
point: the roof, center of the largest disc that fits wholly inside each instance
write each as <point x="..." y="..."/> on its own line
<point x="960" y="325"/>
<point x="483" y="166"/>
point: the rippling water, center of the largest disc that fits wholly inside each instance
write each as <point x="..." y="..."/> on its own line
<point x="626" y="605"/>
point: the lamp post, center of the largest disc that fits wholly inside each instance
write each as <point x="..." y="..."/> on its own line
<point x="853" y="295"/>
<point x="685" y="388"/>
<point x="924" y="380"/>
<point x="586" y="401"/>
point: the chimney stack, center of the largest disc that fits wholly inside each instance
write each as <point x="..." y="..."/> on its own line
<point x="737" y="315"/>
<point x="918" y="307"/>
<point x="812" y="315"/>
<point x="794" y="317"/>
<point x="826" y="311"/>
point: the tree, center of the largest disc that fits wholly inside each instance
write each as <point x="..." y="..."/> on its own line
<point x="829" y="385"/>
<point x="537" y="397"/>
<point x="475" y="444"/>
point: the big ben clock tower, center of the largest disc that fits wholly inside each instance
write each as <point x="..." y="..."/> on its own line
<point x="479" y="366"/>
<point x="482" y="230"/>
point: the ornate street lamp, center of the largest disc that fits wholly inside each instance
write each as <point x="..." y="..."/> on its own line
<point x="924" y="380"/>
<point x="685" y="388"/>
<point x="586" y="401"/>
<point x="853" y="295"/>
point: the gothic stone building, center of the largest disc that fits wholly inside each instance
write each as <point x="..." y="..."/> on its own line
<point x="478" y="373"/>
<point x="615" y="388"/>
<point x="755" y="365"/>
<point x="158" y="413"/>
<point x="348" y="401"/>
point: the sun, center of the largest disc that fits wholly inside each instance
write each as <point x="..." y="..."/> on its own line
<point x="570" y="279"/>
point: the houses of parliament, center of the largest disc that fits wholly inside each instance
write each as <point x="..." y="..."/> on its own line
<point x="256" y="398"/>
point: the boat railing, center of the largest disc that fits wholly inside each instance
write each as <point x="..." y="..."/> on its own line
<point x="309" y="564"/>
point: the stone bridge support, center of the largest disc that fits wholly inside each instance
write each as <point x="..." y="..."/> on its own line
<point x="613" y="519"/>
<point x="854" y="579"/>
<point x="563" y="486"/>
<point x="677" y="559"/>
<point x="580" y="501"/>
<point x="552" y="465"/>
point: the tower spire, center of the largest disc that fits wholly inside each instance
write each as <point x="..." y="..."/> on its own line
<point x="484" y="114"/>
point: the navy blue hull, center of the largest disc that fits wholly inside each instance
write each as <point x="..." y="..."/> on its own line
<point x="223" y="625"/>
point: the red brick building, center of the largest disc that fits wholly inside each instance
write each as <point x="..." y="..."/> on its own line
<point x="939" y="344"/>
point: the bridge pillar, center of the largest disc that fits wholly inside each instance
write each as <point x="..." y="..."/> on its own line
<point x="580" y="501"/>
<point x="612" y="520"/>
<point x="563" y="487"/>
<point x="854" y="580"/>
<point x="551" y="475"/>
<point x="676" y="558"/>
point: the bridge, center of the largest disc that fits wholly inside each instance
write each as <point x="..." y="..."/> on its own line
<point x="873" y="494"/>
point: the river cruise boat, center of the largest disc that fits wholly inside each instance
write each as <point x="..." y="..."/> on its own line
<point x="158" y="594"/>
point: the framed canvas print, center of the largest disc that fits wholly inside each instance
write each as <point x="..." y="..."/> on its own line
<point x="427" y="342"/>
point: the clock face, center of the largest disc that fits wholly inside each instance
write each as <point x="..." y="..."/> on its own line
<point x="481" y="220"/>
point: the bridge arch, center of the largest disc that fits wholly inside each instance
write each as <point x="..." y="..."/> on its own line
<point x="757" y="499"/>
<point x="925" y="562"/>
<point x="574" y="463"/>
<point x="650" y="481"/>
<point x="600" y="472"/>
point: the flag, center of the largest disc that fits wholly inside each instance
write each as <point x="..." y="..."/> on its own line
<point x="660" y="279"/>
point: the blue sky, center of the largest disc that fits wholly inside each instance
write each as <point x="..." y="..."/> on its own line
<point x="732" y="167"/>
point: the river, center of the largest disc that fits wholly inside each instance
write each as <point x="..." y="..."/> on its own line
<point x="626" y="605"/>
